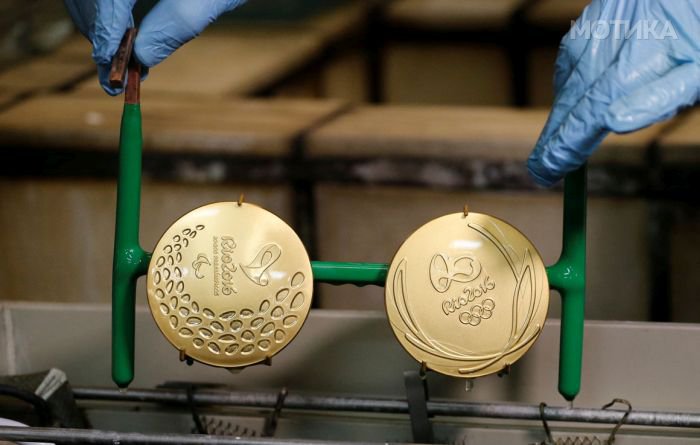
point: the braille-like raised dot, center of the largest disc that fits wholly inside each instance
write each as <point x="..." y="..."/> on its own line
<point x="282" y="295"/>
<point x="248" y="336"/>
<point x="208" y="313"/>
<point x="231" y="349"/>
<point x="267" y="329"/>
<point x="289" y="321"/>
<point x="277" y="312"/>
<point x="194" y="321"/>
<point x="214" y="348"/>
<point x="164" y="309"/>
<point x="184" y="312"/>
<point x="159" y="294"/>
<point x="257" y="322"/>
<point x="246" y="313"/>
<point x="264" y="345"/>
<point x="174" y="321"/>
<point x="248" y="349"/>
<point x="198" y="342"/>
<point x="227" y="338"/>
<point x="216" y="326"/>
<point x="206" y="333"/>
<point x="297" y="301"/>
<point x="186" y="332"/>
<point x="264" y="306"/>
<point x="227" y="316"/>
<point x="236" y="325"/>
<point x="280" y="335"/>
<point x="297" y="279"/>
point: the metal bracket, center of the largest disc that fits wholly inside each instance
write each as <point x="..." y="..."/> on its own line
<point x="417" y="396"/>
<point x="568" y="275"/>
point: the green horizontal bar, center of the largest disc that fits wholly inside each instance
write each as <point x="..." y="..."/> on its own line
<point x="359" y="274"/>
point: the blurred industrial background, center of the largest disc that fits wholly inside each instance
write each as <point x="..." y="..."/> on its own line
<point x="354" y="120"/>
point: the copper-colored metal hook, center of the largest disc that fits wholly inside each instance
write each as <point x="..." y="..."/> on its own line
<point x="126" y="71"/>
<point x="120" y="62"/>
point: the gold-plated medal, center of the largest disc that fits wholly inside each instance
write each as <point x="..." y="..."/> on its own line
<point x="229" y="284"/>
<point x="467" y="295"/>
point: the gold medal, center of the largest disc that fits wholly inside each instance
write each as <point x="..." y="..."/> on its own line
<point x="229" y="284"/>
<point x="467" y="295"/>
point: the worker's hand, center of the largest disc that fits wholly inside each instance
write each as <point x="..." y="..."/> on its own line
<point x="169" y="25"/>
<point x="624" y="65"/>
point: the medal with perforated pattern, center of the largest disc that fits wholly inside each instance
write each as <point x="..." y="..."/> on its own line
<point x="229" y="284"/>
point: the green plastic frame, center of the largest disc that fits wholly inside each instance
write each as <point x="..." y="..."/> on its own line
<point x="568" y="275"/>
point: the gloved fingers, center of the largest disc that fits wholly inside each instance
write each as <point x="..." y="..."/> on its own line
<point x="656" y="101"/>
<point x="83" y="14"/>
<point x="103" y="75"/>
<point x="582" y="60"/>
<point x="582" y="129"/>
<point x="112" y="19"/>
<point x="573" y="45"/>
<point x="172" y="23"/>
<point x="570" y="138"/>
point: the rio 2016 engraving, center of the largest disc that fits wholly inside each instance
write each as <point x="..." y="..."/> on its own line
<point x="469" y="294"/>
<point x="224" y="267"/>
<point x="463" y="269"/>
<point x="227" y="267"/>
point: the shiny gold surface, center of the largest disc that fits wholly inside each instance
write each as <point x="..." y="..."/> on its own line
<point x="467" y="295"/>
<point x="229" y="284"/>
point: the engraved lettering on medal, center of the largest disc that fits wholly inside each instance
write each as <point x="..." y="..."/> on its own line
<point x="228" y="245"/>
<point x="223" y="265"/>
<point x="464" y="269"/>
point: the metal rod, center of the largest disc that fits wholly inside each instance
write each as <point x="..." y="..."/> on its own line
<point x="120" y="62"/>
<point x="396" y="406"/>
<point x="76" y="436"/>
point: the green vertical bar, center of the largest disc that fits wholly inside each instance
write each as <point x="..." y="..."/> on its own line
<point x="568" y="277"/>
<point x="130" y="260"/>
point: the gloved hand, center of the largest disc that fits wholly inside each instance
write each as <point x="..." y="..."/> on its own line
<point x="169" y="25"/>
<point x="624" y="65"/>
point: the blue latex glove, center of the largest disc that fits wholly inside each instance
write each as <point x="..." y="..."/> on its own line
<point x="169" y="25"/>
<point x="622" y="82"/>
